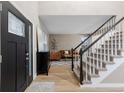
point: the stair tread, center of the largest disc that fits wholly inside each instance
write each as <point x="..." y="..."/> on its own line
<point x="86" y="82"/>
<point x="94" y="75"/>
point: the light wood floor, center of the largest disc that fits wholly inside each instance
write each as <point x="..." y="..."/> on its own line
<point x="65" y="81"/>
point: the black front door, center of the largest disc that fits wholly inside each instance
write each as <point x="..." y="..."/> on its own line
<point x="14" y="41"/>
<point x="16" y="61"/>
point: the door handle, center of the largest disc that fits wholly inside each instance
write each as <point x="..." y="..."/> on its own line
<point x="27" y="58"/>
<point x="27" y="54"/>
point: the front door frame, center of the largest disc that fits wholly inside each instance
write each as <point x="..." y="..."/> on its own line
<point x="30" y="78"/>
<point x="7" y="6"/>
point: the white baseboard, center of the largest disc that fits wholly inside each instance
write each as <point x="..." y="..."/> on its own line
<point x="34" y="76"/>
<point x="104" y="85"/>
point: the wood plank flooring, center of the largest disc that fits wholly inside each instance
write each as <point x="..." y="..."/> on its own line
<point x="65" y="81"/>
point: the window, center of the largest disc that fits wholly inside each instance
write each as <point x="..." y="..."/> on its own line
<point x="42" y="40"/>
<point x="15" y="25"/>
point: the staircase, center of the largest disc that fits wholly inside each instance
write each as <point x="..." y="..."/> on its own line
<point x="101" y="56"/>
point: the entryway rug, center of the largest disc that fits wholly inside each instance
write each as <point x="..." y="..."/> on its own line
<point x="41" y="87"/>
<point x="61" y="63"/>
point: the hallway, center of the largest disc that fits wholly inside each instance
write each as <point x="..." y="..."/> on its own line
<point x="62" y="79"/>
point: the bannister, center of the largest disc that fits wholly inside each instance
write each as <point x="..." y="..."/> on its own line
<point x="97" y="30"/>
<point x="103" y="35"/>
<point x="93" y="33"/>
<point x="85" y="51"/>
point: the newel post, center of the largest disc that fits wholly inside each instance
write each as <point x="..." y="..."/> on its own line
<point x="81" y="67"/>
<point x="72" y="59"/>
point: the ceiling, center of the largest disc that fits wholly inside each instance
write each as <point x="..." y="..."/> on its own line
<point x="81" y="7"/>
<point x="72" y="24"/>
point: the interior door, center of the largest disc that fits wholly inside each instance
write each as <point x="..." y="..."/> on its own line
<point x="14" y="49"/>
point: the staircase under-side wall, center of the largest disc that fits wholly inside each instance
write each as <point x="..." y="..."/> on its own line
<point x="100" y="62"/>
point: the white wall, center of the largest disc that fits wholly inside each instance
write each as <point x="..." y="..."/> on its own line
<point x="30" y="11"/>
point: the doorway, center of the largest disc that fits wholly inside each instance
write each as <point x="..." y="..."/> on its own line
<point x="16" y="49"/>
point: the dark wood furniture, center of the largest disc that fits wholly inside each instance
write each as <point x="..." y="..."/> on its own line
<point x="67" y="54"/>
<point x="55" y="56"/>
<point x="43" y="62"/>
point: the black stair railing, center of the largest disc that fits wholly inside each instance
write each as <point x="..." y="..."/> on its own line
<point x="97" y="30"/>
<point x="82" y="51"/>
<point x="103" y="35"/>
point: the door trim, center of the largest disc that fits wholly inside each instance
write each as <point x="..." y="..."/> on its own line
<point x="30" y="78"/>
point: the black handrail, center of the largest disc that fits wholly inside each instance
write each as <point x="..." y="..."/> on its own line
<point x="113" y="26"/>
<point x="93" y="33"/>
